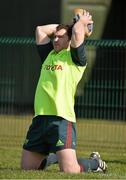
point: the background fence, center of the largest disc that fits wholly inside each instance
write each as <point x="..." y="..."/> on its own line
<point x="100" y="100"/>
<point x="105" y="91"/>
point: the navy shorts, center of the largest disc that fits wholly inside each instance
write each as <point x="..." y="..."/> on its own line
<point x="48" y="134"/>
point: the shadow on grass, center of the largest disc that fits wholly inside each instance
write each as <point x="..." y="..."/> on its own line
<point x="116" y="161"/>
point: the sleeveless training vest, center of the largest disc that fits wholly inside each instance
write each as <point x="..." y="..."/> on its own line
<point x="57" y="85"/>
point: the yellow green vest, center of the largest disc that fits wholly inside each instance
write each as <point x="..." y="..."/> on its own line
<point x="57" y="86"/>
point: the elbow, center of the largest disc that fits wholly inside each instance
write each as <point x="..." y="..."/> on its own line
<point x="37" y="30"/>
<point x="39" y="35"/>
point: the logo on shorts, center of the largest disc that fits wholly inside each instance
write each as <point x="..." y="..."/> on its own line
<point x="59" y="143"/>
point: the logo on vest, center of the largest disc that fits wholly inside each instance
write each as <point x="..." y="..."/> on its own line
<point x="53" y="67"/>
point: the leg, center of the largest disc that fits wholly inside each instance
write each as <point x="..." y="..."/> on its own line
<point x="68" y="161"/>
<point x="31" y="160"/>
<point x="34" y="139"/>
<point x="93" y="163"/>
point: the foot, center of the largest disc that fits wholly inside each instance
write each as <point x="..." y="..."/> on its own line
<point x="102" y="165"/>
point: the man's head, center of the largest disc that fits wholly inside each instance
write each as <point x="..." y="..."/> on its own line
<point x="62" y="37"/>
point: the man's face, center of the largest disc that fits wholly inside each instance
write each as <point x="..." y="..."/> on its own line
<point x="61" y="40"/>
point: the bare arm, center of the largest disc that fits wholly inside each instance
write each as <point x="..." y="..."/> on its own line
<point x="80" y="29"/>
<point x="44" y="32"/>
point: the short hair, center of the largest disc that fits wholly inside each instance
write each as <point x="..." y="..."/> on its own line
<point x="67" y="27"/>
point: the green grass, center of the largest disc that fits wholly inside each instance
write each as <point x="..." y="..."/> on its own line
<point x="107" y="137"/>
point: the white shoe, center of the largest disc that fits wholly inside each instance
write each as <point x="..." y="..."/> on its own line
<point x="102" y="164"/>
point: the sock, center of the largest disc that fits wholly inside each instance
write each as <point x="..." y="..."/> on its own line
<point x="52" y="159"/>
<point x="87" y="165"/>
